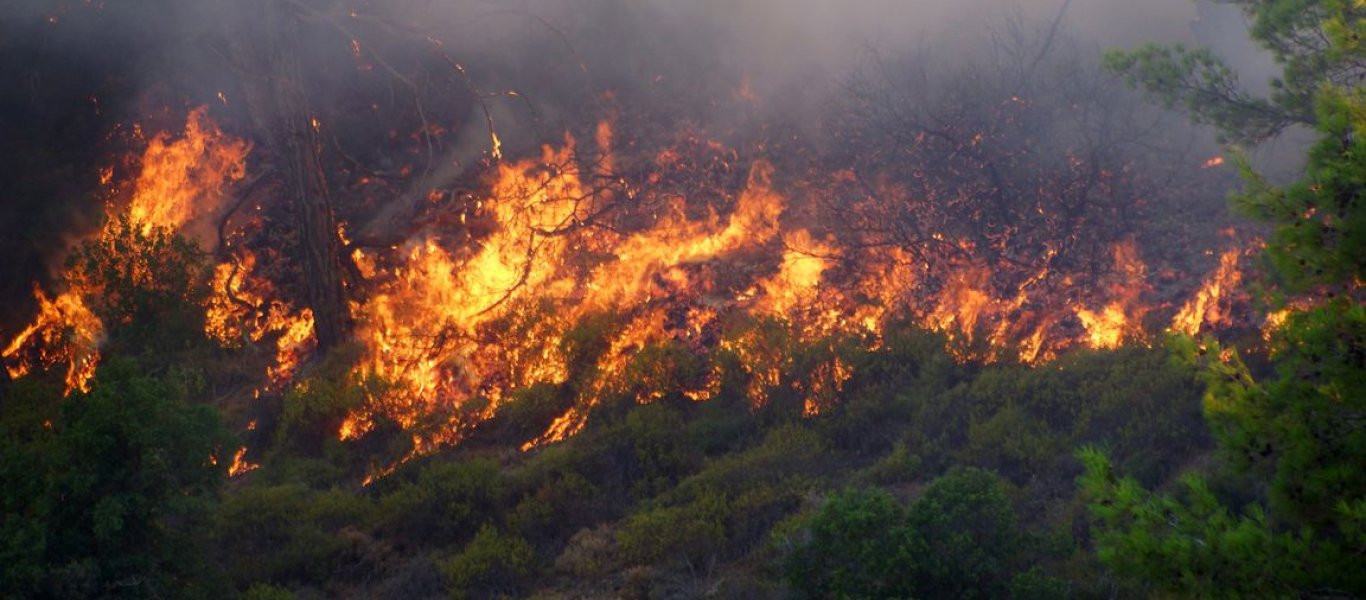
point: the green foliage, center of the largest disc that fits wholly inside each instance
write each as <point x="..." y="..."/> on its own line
<point x="529" y="411"/>
<point x="662" y="453"/>
<point x="693" y="532"/>
<point x="444" y="503"/>
<point x="27" y="439"/>
<point x="1011" y="440"/>
<point x="1199" y="82"/>
<point x="286" y="534"/>
<point x="1021" y="421"/>
<point x="889" y="387"/>
<point x="901" y="465"/>
<point x="972" y="541"/>
<point x="118" y="486"/>
<point x="724" y="509"/>
<point x="961" y="539"/>
<point x="661" y="371"/>
<point x="722" y="423"/>
<point x="1299" y="429"/>
<point x="858" y="547"/>
<point x="1316" y="42"/>
<point x="314" y="408"/>
<point x="147" y="287"/>
<point x="787" y="453"/>
<point x="557" y="504"/>
<point x="490" y="563"/>
<point x="1192" y="545"/>
<point x="1320" y="221"/>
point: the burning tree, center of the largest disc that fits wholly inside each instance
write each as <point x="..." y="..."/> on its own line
<point x="263" y="41"/>
<point x="1009" y="180"/>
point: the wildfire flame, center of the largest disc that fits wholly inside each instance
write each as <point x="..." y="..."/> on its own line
<point x="181" y="179"/>
<point x="1206" y="309"/>
<point x="457" y="319"/>
<point x="186" y="177"/>
<point x="1121" y="318"/>
<point x="64" y="331"/>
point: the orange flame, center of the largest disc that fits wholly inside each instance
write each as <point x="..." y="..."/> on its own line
<point x="179" y="180"/>
<point x="65" y="331"/>
<point x="1122" y="317"/>
<point x="240" y="465"/>
<point x="186" y="178"/>
<point x="1206" y="310"/>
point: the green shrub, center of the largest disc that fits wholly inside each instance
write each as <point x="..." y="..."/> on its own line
<point x="314" y="410"/>
<point x="147" y="288"/>
<point x="1012" y="441"/>
<point x="857" y="546"/>
<point x="786" y="452"/>
<point x="444" y="502"/>
<point x="693" y="532"/>
<point x="961" y="539"/>
<point x="286" y="533"/>
<point x="127" y="488"/>
<point x="492" y="562"/>
<point x="662" y="454"/>
<point x="972" y="540"/>
<point x="528" y="411"/>
<point x="900" y="465"/>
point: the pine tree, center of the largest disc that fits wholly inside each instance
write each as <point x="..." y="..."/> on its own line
<point x="1303" y="428"/>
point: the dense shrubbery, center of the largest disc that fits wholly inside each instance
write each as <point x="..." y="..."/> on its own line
<point x="960" y="539"/>
<point x="118" y="492"/>
<point x="669" y="498"/>
<point x="109" y="493"/>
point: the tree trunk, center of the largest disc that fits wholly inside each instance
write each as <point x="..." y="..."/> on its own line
<point x="270" y="77"/>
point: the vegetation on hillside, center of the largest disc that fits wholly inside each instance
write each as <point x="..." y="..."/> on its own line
<point x="1179" y="468"/>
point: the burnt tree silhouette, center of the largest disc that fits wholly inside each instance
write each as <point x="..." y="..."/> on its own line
<point x="263" y="37"/>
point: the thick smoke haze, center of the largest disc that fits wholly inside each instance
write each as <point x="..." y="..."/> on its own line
<point x="80" y="71"/>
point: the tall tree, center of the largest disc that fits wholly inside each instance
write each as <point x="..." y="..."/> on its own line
<point x="1303" y="428"/>
<point x="263" y="42"/>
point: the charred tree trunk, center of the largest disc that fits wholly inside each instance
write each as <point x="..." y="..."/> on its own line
<point x="307" y="187"/>
<point x="270" y="76"/>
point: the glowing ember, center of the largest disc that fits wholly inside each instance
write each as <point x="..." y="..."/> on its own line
<point x="240" y="465"/>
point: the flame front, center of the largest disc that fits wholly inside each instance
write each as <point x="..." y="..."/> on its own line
<point x="456" y="320"/>
<point x="448" y="326"/>
<point x="64" y="331"/>
<point x="180" y="180"/>
<point x="451" y="321"/>
<point x="1208" y="308"/>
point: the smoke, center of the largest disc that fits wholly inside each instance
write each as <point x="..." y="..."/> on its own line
<point x="792" y="55"/>
<point x="83" y="69"/>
